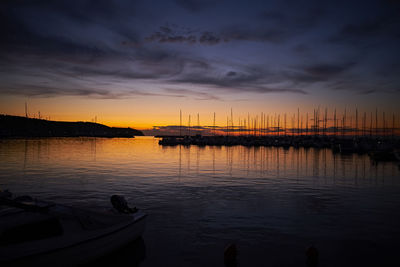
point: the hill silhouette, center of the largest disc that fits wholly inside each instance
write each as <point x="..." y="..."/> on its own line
<point x="16" y="126"/>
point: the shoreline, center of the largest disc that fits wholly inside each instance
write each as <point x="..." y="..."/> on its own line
<point x="22" y="127"/>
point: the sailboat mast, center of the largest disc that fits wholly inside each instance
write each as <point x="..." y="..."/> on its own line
<point x="383" y="123"/>
<point x="214" y="125"/>
<point x="334" y="123"/>
<point x="279" y="118"/>
<point x="180" y="122"/>
<point x="298" y="121"/>
<point x="325" y="120"/>
<point x="370" y="126"/>
<point x="233" y="130"/>
<point x="307" y="123"/>
<point x="26" y="110"/>
<point x="376" y="122"/>
<point x="356" y="122"/>
<point x="285" y="124"/>
<point x="393" y="125"/>
<point x="189" y="124"/>
<point x="364" y="123"/>
<point x="198" y="123"/>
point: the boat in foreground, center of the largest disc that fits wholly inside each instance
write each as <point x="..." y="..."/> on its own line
<point x="37" y="233"/>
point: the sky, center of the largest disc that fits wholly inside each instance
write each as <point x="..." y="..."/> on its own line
<point x="138" y="63"/>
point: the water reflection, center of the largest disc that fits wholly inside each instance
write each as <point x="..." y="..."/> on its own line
<point x="255" y="162"/>
<point x="130" y="255"/>
<point x="201" y="198"/>
<point x="277" y="163"/>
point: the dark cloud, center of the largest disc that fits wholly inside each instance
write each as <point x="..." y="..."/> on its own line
<point x="311" y="17"/>
<point x="209" y="38"/>
<point x="240" y="33"/>
<point x="145" y="64"/>
<point x="82" y="11"/>
<point x="43" y="62"/>
<point x="301" y="48"/>
<point x="274" y="16"/>
<point x="296" y="16"/>
<point x="212" y="78"/>
<point x="44" y="90"/>
<point x="318" y="72"/>
<point x="327" y="70"/>
<point x="357" y="32"/>
<point x="99" y="48"/>
<point x="61" y="28"/>
<point x="265" y="89"/>
<point x="234" y="33"/>
<point x="291" y="19"/>
<point x="249" y="79"/>
<point x="362" y="86"/>
<point x="165" y="38"/>
<point x="33" y="90"/>
<point x="185" y="129"/>
<point x="172" y="34"/>
<point x="274" y="26"/>
<point x="389" y="70"/>
<point x="381" y="26"/>
<point x="197" y="95"/>
<point x="195" y="5"/>
<point x="368" y="92"/>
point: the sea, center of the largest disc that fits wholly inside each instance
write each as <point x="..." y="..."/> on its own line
<point x="272" y="203"/>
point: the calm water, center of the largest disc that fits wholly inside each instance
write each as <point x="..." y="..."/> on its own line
<point x="273" y="203"/>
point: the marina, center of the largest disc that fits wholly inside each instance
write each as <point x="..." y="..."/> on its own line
<point x="380" y="141"/>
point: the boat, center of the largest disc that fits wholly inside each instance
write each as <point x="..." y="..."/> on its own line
<point x="39" y="233"/>
<point x="383" y="155"/>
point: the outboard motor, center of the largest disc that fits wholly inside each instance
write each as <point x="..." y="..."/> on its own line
<point x="119" y="203"/>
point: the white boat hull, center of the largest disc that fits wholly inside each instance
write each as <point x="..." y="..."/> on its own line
<point x="77" y="248"/>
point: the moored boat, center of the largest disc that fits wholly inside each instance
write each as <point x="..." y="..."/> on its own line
<point x="38" y="233"/>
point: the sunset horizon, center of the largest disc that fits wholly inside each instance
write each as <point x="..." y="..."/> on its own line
<point x="199" y="133"/>
<point x="137" y="67"/>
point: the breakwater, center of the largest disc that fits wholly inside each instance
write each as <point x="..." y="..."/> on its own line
<point x="378" y="147"/>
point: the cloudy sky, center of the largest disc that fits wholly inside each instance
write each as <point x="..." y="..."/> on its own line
<point x="137" y="63"/>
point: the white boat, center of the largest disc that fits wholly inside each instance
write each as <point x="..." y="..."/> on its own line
<point x="35" y="233"/>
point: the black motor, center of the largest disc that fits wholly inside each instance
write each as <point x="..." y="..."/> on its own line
<point x="119" y="203"/>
